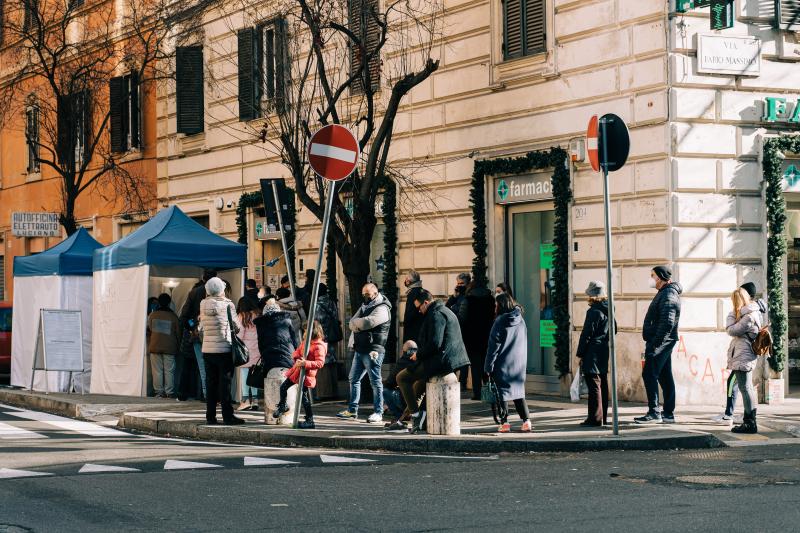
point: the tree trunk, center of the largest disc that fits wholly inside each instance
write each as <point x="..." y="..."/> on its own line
<point x="67" y="218"/>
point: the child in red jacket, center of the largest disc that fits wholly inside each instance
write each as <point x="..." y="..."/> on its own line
<point x="316" y="359"/>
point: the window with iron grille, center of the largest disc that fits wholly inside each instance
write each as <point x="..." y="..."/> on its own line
<point x="125" y="116"/>
<point x="32" y="138"/>
<point x="523" y="28"/>
<point x="787" y="15"/>
<point x="264" y="69"/>
<point x="362" y="17"/>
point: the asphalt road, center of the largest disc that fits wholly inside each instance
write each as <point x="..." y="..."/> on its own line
<point x="244" y="488"/>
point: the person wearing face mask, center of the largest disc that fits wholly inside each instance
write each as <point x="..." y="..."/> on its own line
<point x="660" y="334"/>
<point x="457" y="303"/>
<point x="370" y="332"/>
<point x="412" y="318"/>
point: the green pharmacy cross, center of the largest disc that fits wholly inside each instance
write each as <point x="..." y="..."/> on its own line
<point x="791" y="177"/>
<point x="502" y="190"/>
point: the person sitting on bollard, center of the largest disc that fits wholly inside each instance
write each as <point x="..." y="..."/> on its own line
<point x="507" y="357"/>
<point x="315" y="361"/>
<point x="392" y="397"/>
<point x="593" y="353"/>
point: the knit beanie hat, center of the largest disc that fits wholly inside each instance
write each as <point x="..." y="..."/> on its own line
<point x="750" y="287"/>
<point x="596" y="289"/>
<point x="663" y="272"/>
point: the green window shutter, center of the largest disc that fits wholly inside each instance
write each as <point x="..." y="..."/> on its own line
<point x="189" y="89"/>
<point x="534" y="27"/>
<point x="248" y="75"/>
<point x="135" y="117"/>
<point x="117" y="104"/>
<point x="787" y="15"/>
<point x="512" y="29"/>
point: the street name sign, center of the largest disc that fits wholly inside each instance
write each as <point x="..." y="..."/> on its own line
<point x="721" y="54"/>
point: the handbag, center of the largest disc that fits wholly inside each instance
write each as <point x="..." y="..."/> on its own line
<point x="490" y="394"/>
<point x="239" y="351"/>
<point x="255" y="376"/>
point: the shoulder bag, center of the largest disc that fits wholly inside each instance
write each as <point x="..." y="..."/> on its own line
<point x="239" y="351"/>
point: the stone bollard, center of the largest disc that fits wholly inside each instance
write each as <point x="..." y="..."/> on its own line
<point x="443" y="401"/>
<point x="272" y="393"/>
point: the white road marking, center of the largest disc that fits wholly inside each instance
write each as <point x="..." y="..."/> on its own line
<point x="333" y="152"/>
<point x="10" y="473"/>
<point x="768" y="442"/>
<point x="266" y="461"/>
<point x="84" y="428"/>
<point x="341" y="459"/>
<point x="7" y="431"/>
<point x="89" y="468"/>
<point x="173" y="464"/>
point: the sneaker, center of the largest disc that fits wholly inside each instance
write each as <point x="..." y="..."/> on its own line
<point x="396" y="426"/>
<point x="526" y="426"/>
<point x="375" y="418"/>
<point x="504" y="428"/>
<point x="244" y="406"/>
<point x="306" y="424"/>
<point x="279" y="410"/>
<point x="419" y="421"/>
<point x="723" y="419"/>
<point x="347" y="414"/>
<point x="649" y="418"/>
<point x="667" y="419"/>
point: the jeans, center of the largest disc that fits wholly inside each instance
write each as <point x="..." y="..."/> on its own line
<point x="658" y="370"/>
<point x="745" y="382"/>
<point x="219" y="371"/>
<point x="394" y="402"/>
<point x="163" y="367"/>
<point x="198" y="354"/>
<point x="731" y="392"/>
<point x="363" y="363"/>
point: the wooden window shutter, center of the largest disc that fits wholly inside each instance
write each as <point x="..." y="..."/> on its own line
<point x="189" y="89"/>
<point x="117" y="113"/>
<point x="787" y="15"/>
<point x="83" y="112"/>
<point x="65" y="141"/>
<point x="249" y="79"/>
<point x="534" y="27"/>
<point x="269" y="62"/>
<point x="512" y="29"/>
<point x="2" y="18"/>
<point x="135" y="112"/>
<point x="282" y="64"/>
<point x="361" y="21"/>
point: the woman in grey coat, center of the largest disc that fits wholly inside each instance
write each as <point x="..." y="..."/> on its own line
<point x="507" y="358"/>
<point x="743" y="324"/>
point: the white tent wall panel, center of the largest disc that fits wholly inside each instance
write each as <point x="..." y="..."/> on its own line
<point x="118" y="335"/>
<point x="76" y="293"/>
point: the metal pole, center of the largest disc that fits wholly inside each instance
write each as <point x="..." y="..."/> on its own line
<point x="609" y="277"/>
<point x="312" y="307"/>
<point x="283" y="238"/>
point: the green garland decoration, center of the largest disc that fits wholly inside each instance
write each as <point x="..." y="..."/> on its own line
<point x="251" y="200"/>
<point x="776" y="242"/>
<point x="390" y="260"/>
<point x="557" y="159"/>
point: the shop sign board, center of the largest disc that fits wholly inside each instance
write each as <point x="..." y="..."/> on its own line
<point x="523" y="188"/>
<point x="547" y="333"/>
<point x="546" y="251"/>
<point x="778" y="109"/>
<point x="721" y="54"/>
<point x="35" y="225"/>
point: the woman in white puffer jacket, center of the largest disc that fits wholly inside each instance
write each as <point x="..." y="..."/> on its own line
<point x="743" y="324"/>
<point x="214" y="324"/>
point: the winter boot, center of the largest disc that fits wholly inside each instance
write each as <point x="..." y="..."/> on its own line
<point x="308" y="423"/>
<point x="280" y="409"/>
<point x="748" y="424"/>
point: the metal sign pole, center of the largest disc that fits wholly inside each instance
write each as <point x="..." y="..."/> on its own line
<point x="612" y="330"/>
<point x="312" y="306"/>
<point x="283" y="237"/>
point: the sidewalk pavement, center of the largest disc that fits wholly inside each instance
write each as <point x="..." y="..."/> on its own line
<point x="555" y="426"/>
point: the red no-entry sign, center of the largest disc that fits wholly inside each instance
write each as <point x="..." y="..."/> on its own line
<point x="333" y="152"/>
<point x="592" y="144"/>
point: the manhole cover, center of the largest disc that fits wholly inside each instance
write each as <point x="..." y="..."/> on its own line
<point x="719" y="479"/>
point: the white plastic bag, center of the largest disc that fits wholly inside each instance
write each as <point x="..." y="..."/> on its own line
<point x="575" y="388"/>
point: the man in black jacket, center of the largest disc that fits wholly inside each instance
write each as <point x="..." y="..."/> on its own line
<point x="440" y="351"/>
<point x="660" y="334"/>
<point x="412" y="318"/>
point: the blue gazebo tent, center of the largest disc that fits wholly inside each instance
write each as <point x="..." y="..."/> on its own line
<point x="58" y="278"/>
<point x="167" y="254"/>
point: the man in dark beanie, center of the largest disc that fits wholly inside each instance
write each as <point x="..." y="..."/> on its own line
<point x="660" y="334"/>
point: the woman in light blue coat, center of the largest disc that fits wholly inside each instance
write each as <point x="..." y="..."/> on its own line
<point x="507" y="358"/>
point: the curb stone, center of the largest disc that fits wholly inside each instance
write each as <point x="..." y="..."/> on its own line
<point x="429" y="444"/>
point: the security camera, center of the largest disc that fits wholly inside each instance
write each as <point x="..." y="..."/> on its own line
<point x="230" y="204"/>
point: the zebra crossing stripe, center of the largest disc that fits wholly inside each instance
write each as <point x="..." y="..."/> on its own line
<point x="84" y="428"/>
<point x="327" y="459"/>
<point x="89" y="468"/>
<point x="172" y="464"/>
<point x="266" y="461"/>
<point x="7" y="431"/>
<point x="10" y="473"/>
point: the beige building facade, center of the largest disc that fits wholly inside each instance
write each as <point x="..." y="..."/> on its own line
<point x="691" y="194"/>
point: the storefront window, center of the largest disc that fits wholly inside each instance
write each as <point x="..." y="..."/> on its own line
<point x="793" y="292"/>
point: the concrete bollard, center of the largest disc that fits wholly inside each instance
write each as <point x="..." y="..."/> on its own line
<point x="443" y="401"/>
<point x="272" y="393"/>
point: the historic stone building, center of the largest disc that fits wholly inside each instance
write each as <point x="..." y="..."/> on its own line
<point x="526" y="75"/>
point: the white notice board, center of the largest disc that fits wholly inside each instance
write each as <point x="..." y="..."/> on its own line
<point x="59" y="344"/>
